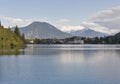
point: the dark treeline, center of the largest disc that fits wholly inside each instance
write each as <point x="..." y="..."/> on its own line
<point x="103" y="40"/>
<point x="72" y="40"/>
<point x="80" y="40"/>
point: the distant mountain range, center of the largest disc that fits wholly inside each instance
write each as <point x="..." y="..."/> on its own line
<point x="88" y="33"/>
<point x="43" y="30"/>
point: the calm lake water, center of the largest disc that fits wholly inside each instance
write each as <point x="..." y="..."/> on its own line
<point x="61" y="64"/>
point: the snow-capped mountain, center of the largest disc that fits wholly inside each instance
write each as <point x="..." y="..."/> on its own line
<point x="88" y="33"/>
<point x="43" y="30"/>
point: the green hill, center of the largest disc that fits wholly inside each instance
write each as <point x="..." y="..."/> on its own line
<point x="9" y="39"/>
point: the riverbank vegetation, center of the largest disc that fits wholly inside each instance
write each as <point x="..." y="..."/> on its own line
<point x="10" y="39"/>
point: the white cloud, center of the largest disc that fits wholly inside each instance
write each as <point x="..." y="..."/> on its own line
<point x="63" y="22"/>
<point x="106" y="15"/>
<point x="94" y="26"/>
<point x="107" y="21"/>
<point x="71" y="28"/>
<point x="10" y="21"/>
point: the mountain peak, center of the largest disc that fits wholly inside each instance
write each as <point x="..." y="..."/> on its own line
<point x="86" y="28"/>
<point x="87" y="32"/>
<point x="43" y="30"/>
<point x="38" y="23"/>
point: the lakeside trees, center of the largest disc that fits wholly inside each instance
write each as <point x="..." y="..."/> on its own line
<point x="9" y="38"/>
<point x="17" y="32"/>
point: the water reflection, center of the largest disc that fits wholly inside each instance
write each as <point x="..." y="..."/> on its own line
<point x="11" y="51"/>
<point x="88" y="55"/>
<point x="56" y="64"/>
<point x="58" y="49"/>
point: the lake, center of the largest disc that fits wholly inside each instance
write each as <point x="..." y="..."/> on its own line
<point x="61" y="64"/>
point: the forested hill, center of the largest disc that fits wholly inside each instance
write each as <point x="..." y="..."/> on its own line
<point x="9" y="39"/>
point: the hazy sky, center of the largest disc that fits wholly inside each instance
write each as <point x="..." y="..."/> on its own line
<point x="65" y="14"/>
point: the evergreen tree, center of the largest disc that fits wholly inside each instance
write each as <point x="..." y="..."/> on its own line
<point x="0" y="23"/>
<point x="17" y="32"/>
<point x="23" y="37"/>
<point x="1" y="26"/>
<point x="9" y="39"/>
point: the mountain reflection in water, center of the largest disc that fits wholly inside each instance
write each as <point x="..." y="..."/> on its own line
<point x="61" y="64"/>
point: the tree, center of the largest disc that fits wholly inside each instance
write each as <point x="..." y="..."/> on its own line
<point x="17" y="32"/>
<point x="0" y="23"/>
<point x="23" y="37"/>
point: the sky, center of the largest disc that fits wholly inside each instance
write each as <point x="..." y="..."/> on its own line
<point x="66" y="15"/>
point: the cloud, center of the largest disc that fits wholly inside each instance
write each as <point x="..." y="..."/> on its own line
<point x="71" y="28"/>
<point x="65" y="25"/>
<point x="94" y="26"/>
<point x="10" y="21"/>
<point x="63" y="22"/>
<point x="106" y="15"/>
<point x="107" y="21"/>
